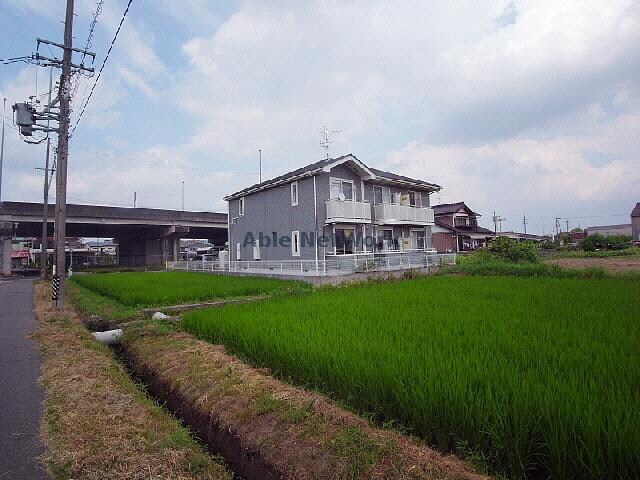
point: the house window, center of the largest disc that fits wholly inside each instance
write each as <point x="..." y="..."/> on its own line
<point x="294" y="194"/>
<point x="460" y="221"/>
<point x="341" y="189"/>
<point x="381" y="195"/>
<point x="241" y="206"/>
<point x="238" y="250"/>
<point x="256" y="250"/>
<point x="395" y="198"/>
<point x="415" y="199"/>
<point x="417" y="239"/>
<point x="295" y="243"/>
<point x="345" y="240"/>
<point x="386" y="241"/>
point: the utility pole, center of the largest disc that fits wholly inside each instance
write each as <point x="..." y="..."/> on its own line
<point x="497" y="220"/>
<point x="260" y="165"/>
<point x="4" y="105"/>
<point x="567" y="221"/>
<point x="183" y="195"/>
<point x="557" y="226"/>
<point x="495" y="223"/>
<point x="524" y="223"/>
<point x="26" y="119"/>
<point x="45" y="200"/>
<point x="63" y="154"/>
<point x="135" y="194"/>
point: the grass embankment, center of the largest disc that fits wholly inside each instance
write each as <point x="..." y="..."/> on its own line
<point x="291" y="433"/>
<point x="171" y="288"/>
<point x="535" y="377"/>
<point x="99" y="424"/>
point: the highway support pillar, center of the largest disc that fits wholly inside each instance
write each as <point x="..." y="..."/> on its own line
<point x="6" y="255"/>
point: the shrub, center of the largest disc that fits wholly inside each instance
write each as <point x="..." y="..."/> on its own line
<point x="548" y="245"/>
<point x="600" y="242"/>
<point x="484" y="263"/>
<point x="512" y="250"/>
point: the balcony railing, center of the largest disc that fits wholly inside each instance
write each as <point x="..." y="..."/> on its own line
<point x="348" y="211"/>
<point x="388" y="213"/>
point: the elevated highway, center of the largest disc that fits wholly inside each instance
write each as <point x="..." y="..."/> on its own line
<point x="145" y="236"/>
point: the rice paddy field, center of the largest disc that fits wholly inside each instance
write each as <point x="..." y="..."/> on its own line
<point x="149" y="289"/>
<point x="530" y="377"/>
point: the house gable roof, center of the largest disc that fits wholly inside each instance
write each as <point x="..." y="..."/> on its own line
<point x="353" y="163"/>
<point x="636" y="211"/>
<point x="326" y="165"/>
<point x="449" y="208"/>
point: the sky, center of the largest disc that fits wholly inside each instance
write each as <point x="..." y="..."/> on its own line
<point x="526" y="107"/>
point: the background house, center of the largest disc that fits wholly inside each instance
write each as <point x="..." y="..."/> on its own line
<point x="456" y="228"/>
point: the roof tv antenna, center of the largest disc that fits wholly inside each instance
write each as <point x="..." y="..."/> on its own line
<point x="326" y="139"/>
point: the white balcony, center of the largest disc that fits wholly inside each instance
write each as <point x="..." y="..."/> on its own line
<point x="393" y="214"/>
<point x="348" y="211"/>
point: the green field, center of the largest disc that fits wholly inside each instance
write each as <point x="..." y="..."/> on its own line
<point x="151" y="289"/>
<point x="532" y="377"/>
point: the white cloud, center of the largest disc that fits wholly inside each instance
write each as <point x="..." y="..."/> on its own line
<point x="533" y="175"/>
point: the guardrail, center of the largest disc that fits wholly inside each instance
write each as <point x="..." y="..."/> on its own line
<point x="338" y="265"/>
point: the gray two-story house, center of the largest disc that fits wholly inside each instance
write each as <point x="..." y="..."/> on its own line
<point x="334" y="207"/>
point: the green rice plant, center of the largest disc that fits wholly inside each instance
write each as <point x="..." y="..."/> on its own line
<point x="538" y="377"/>
<point x="150" y="289"/>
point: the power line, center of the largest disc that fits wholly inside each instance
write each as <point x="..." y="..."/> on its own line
<point x="84" y="107"/>
<point x="92" y="27"/>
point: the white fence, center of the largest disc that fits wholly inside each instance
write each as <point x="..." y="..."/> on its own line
<point x="337" y="265"/>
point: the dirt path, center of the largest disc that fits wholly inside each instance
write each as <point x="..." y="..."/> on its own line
<point x="610" y="264"/>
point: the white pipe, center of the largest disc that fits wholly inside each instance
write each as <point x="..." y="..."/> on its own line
<point x="110" y="337"/>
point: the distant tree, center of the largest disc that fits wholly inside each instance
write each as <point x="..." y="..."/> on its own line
<point x="576" y="230"/>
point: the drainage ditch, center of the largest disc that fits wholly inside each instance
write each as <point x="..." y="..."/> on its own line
<point x="246" y="463"/>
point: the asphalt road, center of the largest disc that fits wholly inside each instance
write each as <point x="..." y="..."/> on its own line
<point x="20" y="394"/>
